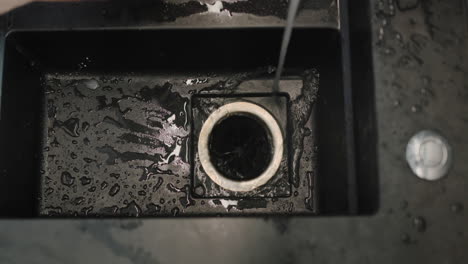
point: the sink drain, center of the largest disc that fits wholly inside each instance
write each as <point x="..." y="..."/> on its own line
<point x="240" y="146"/>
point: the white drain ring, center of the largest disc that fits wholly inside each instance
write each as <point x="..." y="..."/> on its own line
<point x="277" y="144"/>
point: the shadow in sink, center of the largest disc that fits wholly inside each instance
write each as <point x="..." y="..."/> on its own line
<point x="98" y="123"/>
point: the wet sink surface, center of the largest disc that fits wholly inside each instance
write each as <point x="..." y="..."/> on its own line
<point x="99" y="123"/>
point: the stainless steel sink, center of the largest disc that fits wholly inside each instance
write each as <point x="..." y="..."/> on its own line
<point x="103" y="123"/>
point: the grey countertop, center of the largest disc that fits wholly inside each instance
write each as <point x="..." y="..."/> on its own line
<point x="420" y="65"/>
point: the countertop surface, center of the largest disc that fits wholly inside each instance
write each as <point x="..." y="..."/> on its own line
<point x="420" y="65"/>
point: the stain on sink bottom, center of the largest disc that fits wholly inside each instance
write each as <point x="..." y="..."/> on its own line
<point x="120" y="145"/>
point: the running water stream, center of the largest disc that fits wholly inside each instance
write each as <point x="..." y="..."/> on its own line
<point x="292" y="11"/>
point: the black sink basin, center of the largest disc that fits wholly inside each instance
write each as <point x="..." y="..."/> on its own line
<point x="98" y="123"/>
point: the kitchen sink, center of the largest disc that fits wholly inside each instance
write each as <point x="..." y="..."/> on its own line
<point x="105" y="123"/>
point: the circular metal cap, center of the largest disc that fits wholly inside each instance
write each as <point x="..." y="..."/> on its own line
<point x="429" y="155"/>
<point x="277" y="142"/>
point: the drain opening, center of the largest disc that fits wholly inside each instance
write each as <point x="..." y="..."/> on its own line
<point x="240" y="147"/>
<point x="246" y="149"/>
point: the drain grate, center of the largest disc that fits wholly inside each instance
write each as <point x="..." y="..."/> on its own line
<point x="241" y="147"/>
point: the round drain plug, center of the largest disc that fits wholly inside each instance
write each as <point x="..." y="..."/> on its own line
<point x="240" y="146"/>
<point x="429" y="155"/>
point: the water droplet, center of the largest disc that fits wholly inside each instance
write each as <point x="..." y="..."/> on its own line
<point x="85" y="126"/>
<point x="419" y="224"/>
<point x="199" y="190"/>
<point x="114" y="175"/>
<point x="53" y="211"/>
<point x="381" y="34"/>
<point x="426" y="81"/>
<point x="86" y="210"/>
<point x="415" y="108"/>
<point x="67" y="179"/>
<point x="405" y="5"/>
<point x="116" y="80"/>
<point x="384" y="22"/>
<point x="88" y="160"/>
<point x="389" y="51"/>
<point x="65" y="197"/>
<point x="175" y="211"/>
<point x="92" y="189"/>
<point x="398" y="36"/>
<point x="49" y="191"/>
<point x="85" y="180"/>
<point x="78" y="200"/>
<point x="70" y="126"/>
<point x="158" y="184"/>
<point x="141" y="193"/>
<point x="73" y="155"/>
<point x="132" y="209"/>
<point x="391" y="10"/>
<point x="405" y="238"/>
<point x="381" y="5"/>
<point x="109" y="210"/>
<point x="153" y="208"/>
<point x="114" y="189"/>
<point x="456" y="208"/>
<point x="91" y="84"/>
<point x="162" y="201"/>
<point x="404" y="204"/>
<point x="104" y="185"/>
<point x="309" y="200"/>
